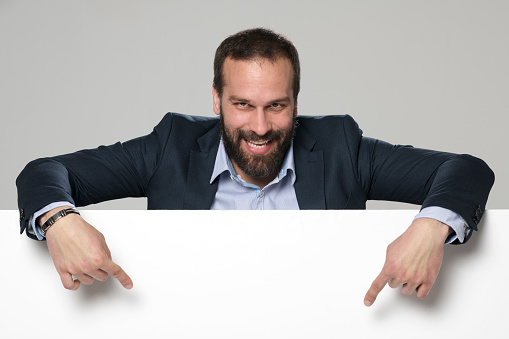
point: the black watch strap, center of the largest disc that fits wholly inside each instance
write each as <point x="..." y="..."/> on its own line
<point x="55" y="217"/>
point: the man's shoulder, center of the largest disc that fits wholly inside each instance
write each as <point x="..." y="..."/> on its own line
<point x="324" y="123"/>
<point x="179" y="118"/>
<point x="325" y="119"/>
<point x="177" y="124"/>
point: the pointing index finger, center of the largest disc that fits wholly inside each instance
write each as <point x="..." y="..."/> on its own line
<point x="376" y="287"/>
<point x="118" y="273"/>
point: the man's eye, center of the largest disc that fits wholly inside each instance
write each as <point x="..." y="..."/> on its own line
<point x="276" y="105"/>
<point x="241" y="104"/>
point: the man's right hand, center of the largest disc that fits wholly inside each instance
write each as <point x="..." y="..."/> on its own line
<point x="80" y="250"/>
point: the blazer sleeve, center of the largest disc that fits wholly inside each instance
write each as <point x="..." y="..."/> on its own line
<point x="91" y="176"/>
<point x="458" y="182"/>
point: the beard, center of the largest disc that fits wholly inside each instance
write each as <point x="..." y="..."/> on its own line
<point x="255" y="165"/>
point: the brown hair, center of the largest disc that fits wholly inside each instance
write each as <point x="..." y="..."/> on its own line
<point x="253" y="43"/>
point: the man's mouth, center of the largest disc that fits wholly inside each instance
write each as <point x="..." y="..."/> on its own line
<point x="258" y="147"/>
<point x="255" y="144"/>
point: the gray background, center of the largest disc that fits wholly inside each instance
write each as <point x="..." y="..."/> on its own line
<point x="77" y="74"/>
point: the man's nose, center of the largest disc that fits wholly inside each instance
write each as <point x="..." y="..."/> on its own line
<point x="260" y="122"/>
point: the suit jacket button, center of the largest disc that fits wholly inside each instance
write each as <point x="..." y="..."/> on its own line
<point x="21" y="214"/>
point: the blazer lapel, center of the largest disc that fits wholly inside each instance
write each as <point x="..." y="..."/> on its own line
<point x="309" y="186"/>
<point x="200" y="192"/>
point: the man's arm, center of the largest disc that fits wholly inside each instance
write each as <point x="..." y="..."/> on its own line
<point x="456" y="182"/>
<point x="82" y="178"/>
<point x="459" y="183"/>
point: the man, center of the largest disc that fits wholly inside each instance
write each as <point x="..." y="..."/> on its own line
<point x="257" y="155"/>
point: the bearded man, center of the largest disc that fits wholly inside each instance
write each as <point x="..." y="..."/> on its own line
<point x="257" y="155"/>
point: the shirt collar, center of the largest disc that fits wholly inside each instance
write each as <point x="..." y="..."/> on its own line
<point x="222" y="161"/>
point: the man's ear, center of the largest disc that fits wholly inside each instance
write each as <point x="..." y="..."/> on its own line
<point x="295" y="111"/>
<point x="216" y="101"/>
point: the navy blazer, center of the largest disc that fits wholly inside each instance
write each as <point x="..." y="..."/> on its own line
<point x="336" y="168"/>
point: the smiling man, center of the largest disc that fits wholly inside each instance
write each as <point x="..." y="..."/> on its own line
<point x="257" y="116"/>
<point x="257" y="155"/>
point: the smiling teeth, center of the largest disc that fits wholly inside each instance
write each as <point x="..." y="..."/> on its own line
<point x="254" y="145"/>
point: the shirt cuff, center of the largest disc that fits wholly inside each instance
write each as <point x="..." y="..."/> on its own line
<point x="448" y="217"/>
<point x="36" y="229"/>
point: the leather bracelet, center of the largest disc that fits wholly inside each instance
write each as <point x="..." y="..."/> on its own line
<point x="55" y="217"/>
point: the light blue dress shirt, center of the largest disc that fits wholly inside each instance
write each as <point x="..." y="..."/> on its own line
<point x="233" y="193"/>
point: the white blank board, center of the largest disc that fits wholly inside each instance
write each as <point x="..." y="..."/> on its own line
<point x="253" y="274"/>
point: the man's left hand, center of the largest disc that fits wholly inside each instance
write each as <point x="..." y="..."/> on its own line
<point x="413" y="260"/>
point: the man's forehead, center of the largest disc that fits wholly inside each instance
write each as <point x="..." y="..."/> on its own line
<point x="262" y="78"/>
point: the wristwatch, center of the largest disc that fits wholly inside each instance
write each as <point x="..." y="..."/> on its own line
<point x="55" y="217"/>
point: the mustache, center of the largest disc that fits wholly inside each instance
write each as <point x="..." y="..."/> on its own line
<point x="269" y="136"/>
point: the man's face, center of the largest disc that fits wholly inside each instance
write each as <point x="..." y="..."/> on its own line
<point x="257" y="112"/>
